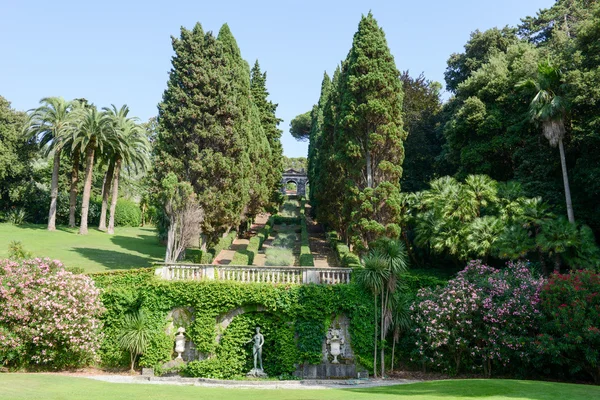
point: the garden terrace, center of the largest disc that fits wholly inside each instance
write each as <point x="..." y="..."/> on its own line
<point x="254" y="274"/>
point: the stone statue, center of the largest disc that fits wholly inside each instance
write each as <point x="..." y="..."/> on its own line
<point x="258" y="340"/>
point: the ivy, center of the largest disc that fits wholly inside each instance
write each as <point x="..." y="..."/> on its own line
<point x="294" y="321"/>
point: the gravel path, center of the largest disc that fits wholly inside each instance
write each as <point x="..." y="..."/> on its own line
<point x="305" y="384"/>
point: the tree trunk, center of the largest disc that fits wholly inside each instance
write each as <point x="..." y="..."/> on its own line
<point x="375" y="351"/>
<point x="393" y="352"/>
<point x="87" y="188"/>
<point x="54" y="192"/>
<point x="382" y="336"/>
<point x="108" y="177"/>
<point x="73" y="189"/>
<point x="563" y="163"/>
<point x="115" y="196"/>
<point x="369" y="169"/>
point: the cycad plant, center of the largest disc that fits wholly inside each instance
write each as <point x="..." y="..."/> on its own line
<point x="135" y="336"/>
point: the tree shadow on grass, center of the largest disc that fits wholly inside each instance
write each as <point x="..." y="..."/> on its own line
<point x="145" y="244"/>
<point x="112" y="259"/>
<point x="486" y="388"/>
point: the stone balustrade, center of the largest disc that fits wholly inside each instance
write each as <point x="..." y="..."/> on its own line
<point x="246" y="273"/>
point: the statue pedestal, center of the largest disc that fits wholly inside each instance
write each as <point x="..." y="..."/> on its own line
<point x="256" y="373"/>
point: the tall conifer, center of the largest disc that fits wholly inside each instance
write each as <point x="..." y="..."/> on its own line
<point x="197" y="137"/>
<point x="269" y="122"/>
<point x="369" y="140"/>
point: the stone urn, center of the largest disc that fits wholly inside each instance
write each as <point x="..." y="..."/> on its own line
<point x="335" y="345"/>
<point x="180" y="342"/>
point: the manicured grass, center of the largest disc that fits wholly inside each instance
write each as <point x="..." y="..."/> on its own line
<point x="54" y="387"/>
<point x="97" y="251"/>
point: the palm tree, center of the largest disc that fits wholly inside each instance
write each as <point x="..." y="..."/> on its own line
<point x="117" y="119"/>
<point x="135" y="336"/>
<point x="75" y="165"/>
<point x="52" y="123"/>
<point x="133" y="153"/>
<point x="380" y="275"/>
<point x="400" y="320"/>
<point x="92" y="135"/>
<point x="396" y="259"/>
<point x="549" y="108"/>
<point x="373" y="276"/>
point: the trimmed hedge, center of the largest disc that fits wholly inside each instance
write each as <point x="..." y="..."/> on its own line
<point x="264" y="233"/>
<point x="345" y="256"/>
<point x="224" y="243"/>
<point x="306" y="258"/>
<point x="127" y="213"/>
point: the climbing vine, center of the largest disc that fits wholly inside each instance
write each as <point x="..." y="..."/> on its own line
<point x="293" y="319"/>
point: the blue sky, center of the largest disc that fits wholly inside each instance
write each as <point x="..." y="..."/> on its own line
<point x="119" y="52"/>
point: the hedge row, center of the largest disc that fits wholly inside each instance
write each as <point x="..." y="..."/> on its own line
<point x="225" y="242"/>
<point x="345" y="256"/>
<point x="265" y="232"/>
<point x="306" y="257"/>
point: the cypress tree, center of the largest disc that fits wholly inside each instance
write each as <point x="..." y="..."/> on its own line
<point x="370" y="138"/>
<point x="197" y="137"/>
<point x="256" y="156"/>
<point x="269" y="122"/>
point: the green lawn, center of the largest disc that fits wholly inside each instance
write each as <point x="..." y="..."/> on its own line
<point x="45" y="386"/>
<point x="94" y="252"/>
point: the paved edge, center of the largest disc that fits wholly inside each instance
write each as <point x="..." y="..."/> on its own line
<point x="302" y="384"/>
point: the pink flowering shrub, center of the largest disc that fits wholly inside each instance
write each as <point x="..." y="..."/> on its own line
<point x="483" y="317"/>
<point x="48" y="317"/>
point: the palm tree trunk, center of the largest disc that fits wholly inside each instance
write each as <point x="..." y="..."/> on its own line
<point x="54" y="192"/>
<point x="87" y="187"/>
<point x="73" y="189"/>
<point x="115" y="196"/>
<point x="105" y="192"/>
<point x="393" y="351"/>
<point x="563" y="164"/>
<point x="382" y="336"/>
<point x="375" y="351"/>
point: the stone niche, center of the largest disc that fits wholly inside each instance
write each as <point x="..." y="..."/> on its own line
<point x="346" y="367"/>
<point x="182" y="317"/>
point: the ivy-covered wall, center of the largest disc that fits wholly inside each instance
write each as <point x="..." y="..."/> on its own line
<point x="294" y="321"/>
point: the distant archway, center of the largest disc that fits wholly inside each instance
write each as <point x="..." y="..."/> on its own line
<point x="292" y="176"/>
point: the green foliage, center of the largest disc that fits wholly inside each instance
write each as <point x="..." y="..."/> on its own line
<point x="289" y="310"/>
<point x="306" y="257"/>
<point x="135" y="336"/>
<point x="570" y="333"/>
<point x="300" y="126"/>
<point x="16" y="216"/>
<point x="223" y="243"/>
<point x="16" y="251"/>
<point x="127" y="213"/>
<point x="277" y="256"/>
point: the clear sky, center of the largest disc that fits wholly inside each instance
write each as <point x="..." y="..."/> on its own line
<point x="119" y="52"/>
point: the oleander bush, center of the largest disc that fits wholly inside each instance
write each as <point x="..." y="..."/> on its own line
<point x="49" y="317"/>
<point x="569" y="338"/>
<point x="482" y="320"/>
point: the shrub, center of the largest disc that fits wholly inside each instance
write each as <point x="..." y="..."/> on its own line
<point x="16" y="216"/>
<point x="49" y="317"/>
<point x="16" y="251"/>
<point x="570" y="334"/>
<point x="483" y="317"/>
<point x="306" y="257"/>
<point x="277" y="256"/>
<point x="224" y="243"/>
<point x="127" y="213"/>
